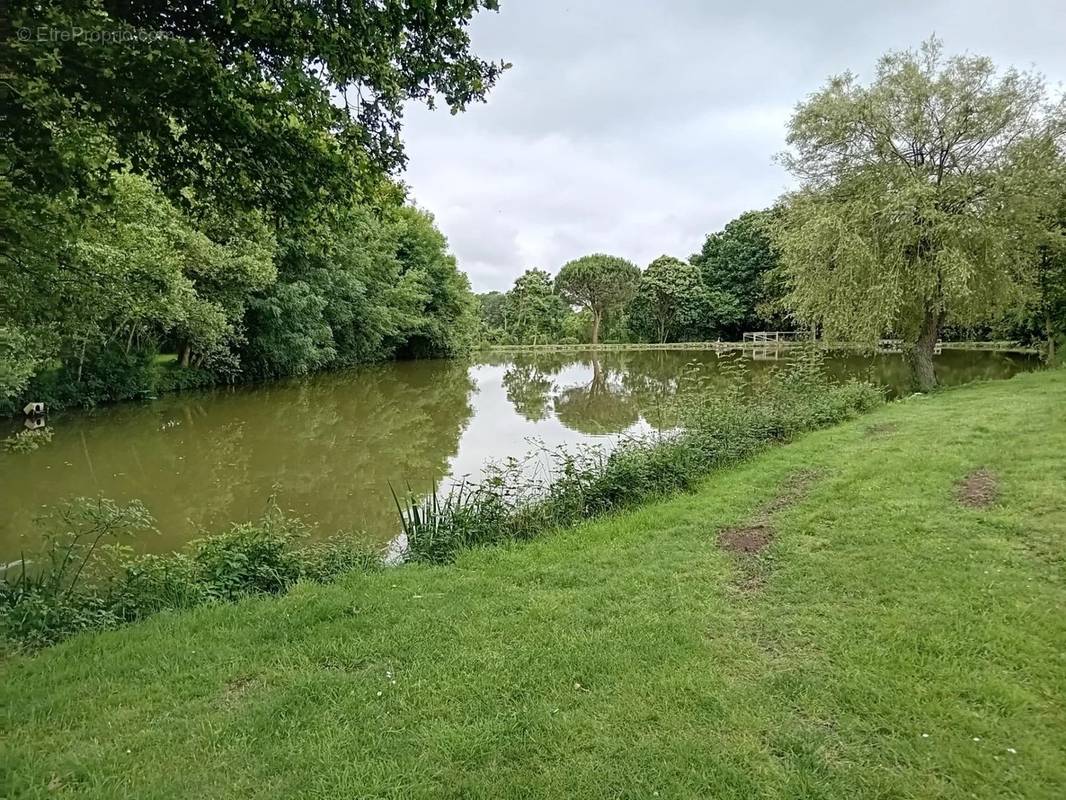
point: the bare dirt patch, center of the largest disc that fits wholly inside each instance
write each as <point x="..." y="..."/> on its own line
<point x="979" y="489"/>
<point x="746" y="539"/>
<point x="234" y="691"/>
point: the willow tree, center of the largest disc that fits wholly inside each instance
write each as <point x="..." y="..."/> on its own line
<point x="924" y="196"/>
<point x="598" y="283"/>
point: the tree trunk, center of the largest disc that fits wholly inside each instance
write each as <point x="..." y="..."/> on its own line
<point x="920" y="354"/>
<point x="184" y="354"/>
<point x="81" y="360"/>
<point x="596" y="316"/>
<point x="1049" y="331"/>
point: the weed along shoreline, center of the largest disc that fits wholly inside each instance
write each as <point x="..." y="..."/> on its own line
<point x="869" y="609"/>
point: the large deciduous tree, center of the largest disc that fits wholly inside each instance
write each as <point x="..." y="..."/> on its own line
<point x="670" y="301"/>
<point x="924" y="196"/>
<point x="735" y="264"/>
<point x="216" y="179"/>
<point x="272" y="103"/>
<point x="599" y="283"/>
<point x="534" y="313"/>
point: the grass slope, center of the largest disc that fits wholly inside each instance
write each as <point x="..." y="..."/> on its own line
<point x="889" y="643"/>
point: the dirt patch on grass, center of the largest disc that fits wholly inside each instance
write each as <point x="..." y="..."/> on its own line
<point x="746" y="539"/>
<point x="234" y="691"/>
<point x="979" y="489"/>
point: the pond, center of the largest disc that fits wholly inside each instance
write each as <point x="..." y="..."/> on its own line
<point x="330" y="446"/>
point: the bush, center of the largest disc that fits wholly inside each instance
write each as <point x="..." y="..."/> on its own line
<point x="86" y="580"/>
<point x="106" y="375"/>
<point x="719" y="428"/>
<point x="174" y="378"/>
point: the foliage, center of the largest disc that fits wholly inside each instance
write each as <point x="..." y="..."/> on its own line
<point x="670" y="304"/>
<point x="1043" y="320"/>
<point x="86" y="579"/>
<point x="598" y="283"/>
<point x="20" y="359"/>
<point x="925" y="195"/>
<point x="492" y="328"/>
<point x="519" y="500"/>
<point x="441" y="316"/>
<point x="736" y="265"/>
<point x="356" y="286"/>
<point x="533" y="312"/>
<point x="241" y="218"/>
<point x="233" y="102"/>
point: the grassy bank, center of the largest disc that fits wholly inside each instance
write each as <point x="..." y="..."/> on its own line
<point x="886" y="637"/>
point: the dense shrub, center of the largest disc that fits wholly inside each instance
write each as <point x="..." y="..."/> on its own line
<point x="718" y="429"/>
<point x="174" y="378"/>
<point x="86" y="579"/>
<point x="104" y="376"/>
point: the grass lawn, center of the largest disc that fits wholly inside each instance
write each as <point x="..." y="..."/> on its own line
<point x="888" y="642"/>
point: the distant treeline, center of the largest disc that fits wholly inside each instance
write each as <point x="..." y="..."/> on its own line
<point x="734" y="284"/>
<point x="723" y="290"/>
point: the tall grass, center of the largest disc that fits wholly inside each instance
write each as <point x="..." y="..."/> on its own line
<point x="85" y="577"/>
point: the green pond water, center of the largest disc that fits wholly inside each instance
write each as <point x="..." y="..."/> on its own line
<point x="329" y="446"/>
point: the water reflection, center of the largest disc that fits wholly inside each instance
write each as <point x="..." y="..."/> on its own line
<point x="329" y="446"/>
<point x="603" y="404"/>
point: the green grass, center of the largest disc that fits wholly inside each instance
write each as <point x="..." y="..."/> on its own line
<point x="895" y="645"/>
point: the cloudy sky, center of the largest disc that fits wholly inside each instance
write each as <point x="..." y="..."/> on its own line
<point x="636" y="127"/>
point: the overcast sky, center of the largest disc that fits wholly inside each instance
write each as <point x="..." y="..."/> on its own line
<point x="636" y="127"/>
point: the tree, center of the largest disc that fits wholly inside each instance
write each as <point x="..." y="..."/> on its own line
<point x="441" y="312"/>
<point x="734" y="264"/>
<point x="492" y="306"/>
<point x="599" y="283"/>
<point x="236" y="100"/>
<point x="669" y="302"/>
<point x="533" y="311"/>
<point x="924" y="197"/>
<point x="216" y="179"/>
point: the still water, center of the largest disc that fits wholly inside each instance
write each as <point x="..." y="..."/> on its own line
<point x="329" y="446"/>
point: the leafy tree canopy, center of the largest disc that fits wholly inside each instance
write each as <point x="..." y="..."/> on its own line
<point x="274" y="104"/>
<point x="924" y="197"/>
<point x="670" y="302"/>
<point x="734" y="264"/>
<point x="599" y="283"/>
